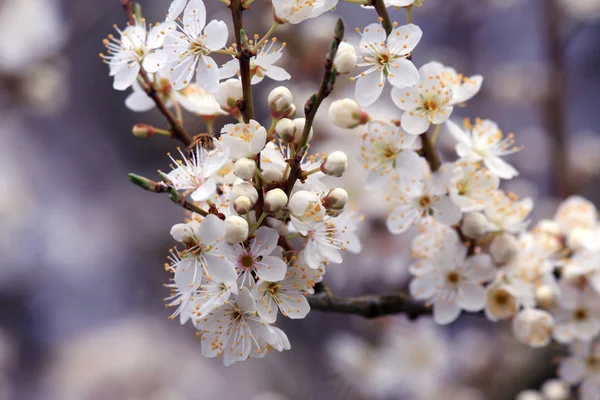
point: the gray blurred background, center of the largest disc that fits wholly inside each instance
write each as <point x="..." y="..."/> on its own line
<point x="81" y="250"/>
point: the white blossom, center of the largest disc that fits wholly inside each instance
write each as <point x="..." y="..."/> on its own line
<point x="244" y="140"/>
<point x="472" y="187"/>
<point x="296" y="11"/>
<point x="261" y="65"/>
<point x="386" y="57"/>
<point x="485" y="143"/>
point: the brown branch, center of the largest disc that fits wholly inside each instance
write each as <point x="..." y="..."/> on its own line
<point x="245" y="54"/>
<point x="369" y="306"/>
<point x="155" y="187"/>
<point x="314" y="102"/>
<point x="177" y="130"/>
<point x="554" y="110"/>
<point x="429" y="152"/>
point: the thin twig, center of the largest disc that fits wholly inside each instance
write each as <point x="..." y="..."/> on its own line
<point x="429" y="152"/>
<point x="245" y="54"/>
<point x="177" y="130"/>
<point x="369" y="306"/>
<point x="312" y="105"/>
<point x="174" y="195"/>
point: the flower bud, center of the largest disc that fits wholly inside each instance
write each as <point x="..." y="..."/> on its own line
<point x="242" y="205"/>
<point x="504" y="248"/>
<point x="555" y="389"/>
<point x="280" y="99"/>
<point x="286" y="129"/>
<point x="576" y="212"/>
<point x="143" y="131"/>
<point x="228" y="93"/>
<point x="306" y="206"/>
<point x="244" y="189"/>
<point x="290" y="112"/>
<point x="582" y="239"/>
<point x="529" y="395"/>
<point x="273" y="174"/>
<point x="275" y="200"/>
<point x="533" y="327"/>
<point x="335" y="200"/>
<point x="345" y="59"/>
<point x="280" y="226"/>
<point x="335" y="164"/>
<point x="244" y="168"/>
<point x="545" y="296"/>
<point x="300" y="122"/>
<point x="236" y="229"/>
<point x="474" y="225"/>
<point x="347" y="114"/>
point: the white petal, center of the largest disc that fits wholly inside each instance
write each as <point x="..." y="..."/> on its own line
<point x="500" y="168"/>
<point x="467" y="90"/>
<point x="294" y="305"/>
<point x="446" y="212"/>
<point x="265" y="242"/>
<point x="155" y="61"/>
<point x="271" y="269"/>
<point x="194" y="16"/>
<point x="229" y="69"/>
<point x="267" y="309"/>
<point x="416" y="123"/>
<point x="220" y="269"/>
<point x="405" y="38"/>
<point x="277" y="73"/>
<point x="245" y="301"/>
<point x="445" y="312"/>
<point x="205" y="191"/>
<point x="207" y="74"/>
<point x="440" y="116"/>
<point x="212" y="228"/>
<point x="403" y="73"/>
<point x="407" y="99"/>
<point x="176" y="8"/>
<point x="423" y="287"/>
<point x="139" y="102"/>
<point x="458" y="133"/>
<point x="369" y="88"/>
<point x="471" y="296"/>
<point x="373" y="33"/>
<point x="216" y="35"/>
<point x="126" y="76"/>
<point x="402" y="218"/>
<point x="182" y="72"/>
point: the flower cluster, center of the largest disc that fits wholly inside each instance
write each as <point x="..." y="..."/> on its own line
<point x="265" y="222"/>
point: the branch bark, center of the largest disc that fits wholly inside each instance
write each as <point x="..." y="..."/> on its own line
<point x="383" y="14"/>
<point x="430" y="153"/>
<point x="245" y="54"/>
<point x="314" y="102"/>
<point x="369" y="306"/>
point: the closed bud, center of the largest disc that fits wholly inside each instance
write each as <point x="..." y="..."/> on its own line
<point x="286" y="129"/>
<point x="275" y="200"/>
<point x="504" y="248"/>
<point x="290" y="112"/>
<point x="347" y="114"/>
<point x="533" y="327"/>
<point x="244" y="189"/>
<point x="236" y="229"/>
<point x="306" y="206"/>
<point x="335" y="200"/>
<point x="335" y="164"/>
<point x="273" y="174"/>
<point x="474" y="225"/>
<point x="143" y="131"/>
<point x="242" y="205"/>
<point x="228" y="93"/>
<point x="345" y="59"/>
<point x="244" y="168"/>
<point x="545" y="296"/>
<point x="300" y="122"/>
<point x="184" y="232"/>
<point x="280" y="99"/>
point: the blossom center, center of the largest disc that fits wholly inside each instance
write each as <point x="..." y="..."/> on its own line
<point x="430" y="105"/>
<point x="453" y="277"/>
<point x="197" y="47"/>
<point x="502" y="297"/>
<point x="580" y="314"/>
<point x="246" y="261"/>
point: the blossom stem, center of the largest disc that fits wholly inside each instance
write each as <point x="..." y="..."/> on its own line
<point x="227" y="52"/>
<point x="430" y="153"/>
<point x="409" y="14"/>
<point x="258" y="223"/>
<point x="313" y="171"/>
<point x="244" y="56"/>
<point x="368" y="306"/>
<point x="174" y="195"/>
<point x="261" y="176"/>
<point x="312" y="105"/>
<point x="383" y="14"/>
<point x="362" y="2"/>
<point x="177" y="107"/>
<point x="264" y="38"/>
<point x="435" y="134"/>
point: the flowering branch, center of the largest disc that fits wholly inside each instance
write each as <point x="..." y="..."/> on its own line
<point x="177" y="130"/>
<point x="245" y="54"/>
<point x="429" y="152"/>
<point x="369" y="306"/>
<point x="314" y="102"/>
<point x="155" y="187"/>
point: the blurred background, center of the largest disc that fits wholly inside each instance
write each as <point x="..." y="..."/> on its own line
<point x="81" y="250"/>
